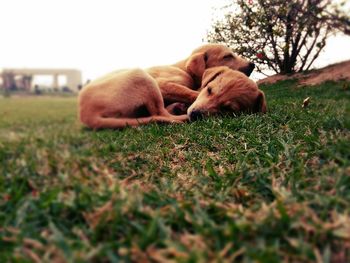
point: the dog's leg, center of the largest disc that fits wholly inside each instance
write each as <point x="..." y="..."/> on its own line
<point x="160" y="114"/>
<point x="177" y="108"/>
<point x="177" y="93"/>
<point x="155" y="107"/>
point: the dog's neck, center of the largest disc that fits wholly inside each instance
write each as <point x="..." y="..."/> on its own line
<point x="197" y="81"/>
<point x="181" y="64"/>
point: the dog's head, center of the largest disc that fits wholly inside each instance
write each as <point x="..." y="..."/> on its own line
<point x="226" y="90"/>
<point x="213" y="55"/>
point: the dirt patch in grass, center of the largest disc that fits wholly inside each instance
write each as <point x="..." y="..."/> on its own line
<point x="334" y="72"/>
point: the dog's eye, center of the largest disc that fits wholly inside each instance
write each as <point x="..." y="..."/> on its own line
<point x="228" y="56"/>
<point x="209" y="90"/>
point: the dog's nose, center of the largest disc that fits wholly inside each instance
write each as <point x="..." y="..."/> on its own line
<point x="196" y="115"/>
<point x="248" y="70"/>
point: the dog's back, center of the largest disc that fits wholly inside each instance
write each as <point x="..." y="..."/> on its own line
<point x="119" y="93"/>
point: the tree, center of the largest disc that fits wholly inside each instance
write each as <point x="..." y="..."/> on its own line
<point x="284" y="36"/>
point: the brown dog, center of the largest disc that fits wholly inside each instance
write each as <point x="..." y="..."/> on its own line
<point x="123" y="98"/>
<point x="226" y="90"/>
<point x="180" y="82"/>
<point x="134" y="97"/>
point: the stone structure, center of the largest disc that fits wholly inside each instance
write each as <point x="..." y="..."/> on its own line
<point x="22" y="78"/>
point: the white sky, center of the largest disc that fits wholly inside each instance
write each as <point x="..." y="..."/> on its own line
<point x="98" y="36"/>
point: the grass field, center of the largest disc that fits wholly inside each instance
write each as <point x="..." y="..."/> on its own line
<point x="254" y="188"/>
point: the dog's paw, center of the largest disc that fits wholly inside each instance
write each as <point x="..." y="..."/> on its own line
<point x="177" y="108"/>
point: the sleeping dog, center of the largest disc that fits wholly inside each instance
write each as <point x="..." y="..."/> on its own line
<point x="133" y="97"/>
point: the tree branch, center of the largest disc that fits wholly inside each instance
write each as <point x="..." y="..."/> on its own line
<point x="323" y="41"/>
<point x="270" y="33"/>
<point x="308" y="52"/>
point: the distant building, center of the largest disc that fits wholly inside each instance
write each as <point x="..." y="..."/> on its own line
<point x="22" y="79"/>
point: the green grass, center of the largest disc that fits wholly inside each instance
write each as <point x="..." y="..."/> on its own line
<point x="255" y="188"/>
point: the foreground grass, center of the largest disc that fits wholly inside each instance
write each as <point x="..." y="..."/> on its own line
<point x="265" y="188"/>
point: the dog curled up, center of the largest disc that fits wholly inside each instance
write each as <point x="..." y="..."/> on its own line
<point x="134" y="97"/>
<point x="137" y="100"/>
<point x="123" y="98"/>
<point x="229" y="91"/>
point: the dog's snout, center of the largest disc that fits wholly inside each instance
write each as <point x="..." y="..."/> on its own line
<point x="196" y="115"/>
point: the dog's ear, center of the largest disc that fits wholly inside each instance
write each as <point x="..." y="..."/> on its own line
<point x="210" y="74"/>
<point x="230" y="106"/>
<point x="260" y="103"/>
<point x="196" y="64"/>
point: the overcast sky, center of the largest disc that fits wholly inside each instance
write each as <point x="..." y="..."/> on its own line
<point x="98" y="36"/>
